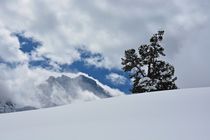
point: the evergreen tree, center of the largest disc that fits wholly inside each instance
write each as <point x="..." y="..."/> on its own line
<point x="146" y="70"/>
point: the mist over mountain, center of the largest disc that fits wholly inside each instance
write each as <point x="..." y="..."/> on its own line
<point x="63" y="90"/>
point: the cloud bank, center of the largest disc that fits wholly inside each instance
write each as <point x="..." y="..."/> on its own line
<point x="116" y="78"/>
<point x="106" y="27"/>
<point x="22" y="85"/>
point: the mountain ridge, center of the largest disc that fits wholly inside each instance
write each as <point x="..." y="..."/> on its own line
<point x="61" y="90"/>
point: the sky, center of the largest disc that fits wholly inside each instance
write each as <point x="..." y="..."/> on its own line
<point x="39" y="37"/>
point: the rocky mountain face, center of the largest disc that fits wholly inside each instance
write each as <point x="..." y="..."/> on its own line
<point x="7" y="107"/>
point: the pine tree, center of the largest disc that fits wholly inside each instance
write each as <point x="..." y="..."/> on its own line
<point x="146" y="70"/>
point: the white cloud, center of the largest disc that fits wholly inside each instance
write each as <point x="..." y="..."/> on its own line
<point x="109" y="27"/>
<point x="116" y="78"/>
<point x="9" y="47"/>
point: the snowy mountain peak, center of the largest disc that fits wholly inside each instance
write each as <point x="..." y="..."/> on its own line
<point x="82" y="82"/>
<point x="63" y="90"/>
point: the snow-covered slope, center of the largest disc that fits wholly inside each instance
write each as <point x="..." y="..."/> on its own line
<point x="169" y="115"/>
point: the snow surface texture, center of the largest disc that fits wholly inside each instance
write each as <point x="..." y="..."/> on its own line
<point x="168" y="115"/>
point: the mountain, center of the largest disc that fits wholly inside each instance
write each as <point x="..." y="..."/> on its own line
<point x="167" y="115"/>
<point x="63" y="90"/>
<point x="69" y="85"/>
<point x="7" y="107"/>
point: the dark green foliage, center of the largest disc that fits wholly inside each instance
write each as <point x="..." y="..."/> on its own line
<point x="146" y="70"/>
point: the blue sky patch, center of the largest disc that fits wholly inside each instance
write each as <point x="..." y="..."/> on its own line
<point x="27" y="44"/>
<point x="98" y="73"/>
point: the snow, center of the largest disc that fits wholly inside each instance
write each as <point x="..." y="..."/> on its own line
<point x="168" y="115"/>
